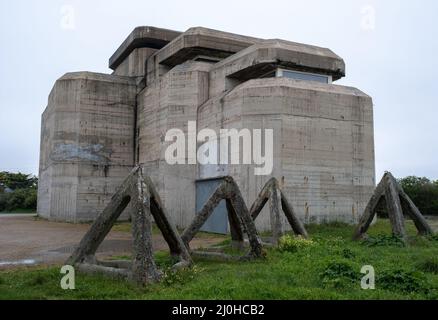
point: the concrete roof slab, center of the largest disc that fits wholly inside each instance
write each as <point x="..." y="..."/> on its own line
<point x="254" y="60"/>
<point x="142" y="37"/>
<point x="202" y="41"/>
<point x="286" y="83"/>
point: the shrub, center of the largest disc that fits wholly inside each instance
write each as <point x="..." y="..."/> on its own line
<point x="19" y="199"/>
<point x="3" y="201"/>
<point x="37" y="280"/>
<point x="347" y="253"/>
<point x="338" y="274"/>
<point x="16" y="199"/>
<point x="401" y="280"/>
<point x="288" y="243"/>
<point x="429" y="264"/>
<point x="384" y="240"/>
<point x="30" y="200"/>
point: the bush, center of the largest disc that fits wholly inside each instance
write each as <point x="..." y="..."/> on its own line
<point x="19" y="199"/>
<point x="401" y="280"/>
<point x="338" y="274"/>
<point x="3" y="201"/>
<point x="347" y="253"/>
<point x="290" y="243"/>
<point x="16" y="199"/>
<point x="384" y="240"/>
<point x="428" y="265"/>
<point x="30" y="201"/>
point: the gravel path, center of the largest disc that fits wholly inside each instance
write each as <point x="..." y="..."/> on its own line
<point x="26" y="240"/>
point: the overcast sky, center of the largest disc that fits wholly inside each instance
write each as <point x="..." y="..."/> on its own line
<point x="390" y="49"/>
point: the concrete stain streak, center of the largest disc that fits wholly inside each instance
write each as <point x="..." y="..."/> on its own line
<point x="69" y="151"/>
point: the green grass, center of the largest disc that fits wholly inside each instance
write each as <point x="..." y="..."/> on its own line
<point x="327" y="268"/>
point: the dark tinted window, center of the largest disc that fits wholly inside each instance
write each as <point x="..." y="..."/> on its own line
<point x="305" y="76"/>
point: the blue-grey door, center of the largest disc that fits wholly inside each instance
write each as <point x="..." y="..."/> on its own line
<point x="218" y="220"/>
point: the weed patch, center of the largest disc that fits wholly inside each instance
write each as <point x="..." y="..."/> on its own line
<point x="288" y="243"/>
<point x="402" y="280"/>
<point x="429" y="264"/>
<point x="384" y="240"/>
<point x="433" y="237"/>
<point x="172" y="277"/>
<point x="347" y="253"/>
<point x="338" y="274"/>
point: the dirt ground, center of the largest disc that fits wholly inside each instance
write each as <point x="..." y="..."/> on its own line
<point x="26" y="240"/>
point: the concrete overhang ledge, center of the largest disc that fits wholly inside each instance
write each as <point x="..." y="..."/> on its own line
<point x="269" y="54"/>
<point x="202" y="41"/>
<point x="142" y="37"/>
<point x="95" y="76"/>
<point x="279" y="84"/>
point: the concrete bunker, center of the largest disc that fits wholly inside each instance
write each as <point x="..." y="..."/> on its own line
<point x="97" y="127"/>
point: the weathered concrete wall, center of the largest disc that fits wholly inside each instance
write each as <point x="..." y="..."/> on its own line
<point x="323" y="144"/>
<point x="168" y="103"/>
<point x="87" y="144"/>
<point x="135" y="64"/>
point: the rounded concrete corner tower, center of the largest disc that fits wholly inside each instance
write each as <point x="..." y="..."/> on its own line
<point x="323" y="143"/>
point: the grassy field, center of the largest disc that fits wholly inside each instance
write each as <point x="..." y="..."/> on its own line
<point x="327" y="267"/>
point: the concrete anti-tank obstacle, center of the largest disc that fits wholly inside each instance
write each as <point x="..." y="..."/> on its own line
<point x="140" y="191"/>
<point x="242" y="220"/>
<point x="271" y="192"/>
<point x="397" y="204"/>
<point x="238" y="215"/>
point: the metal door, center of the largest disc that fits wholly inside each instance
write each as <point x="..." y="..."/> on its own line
<point x="218" y="220"/>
